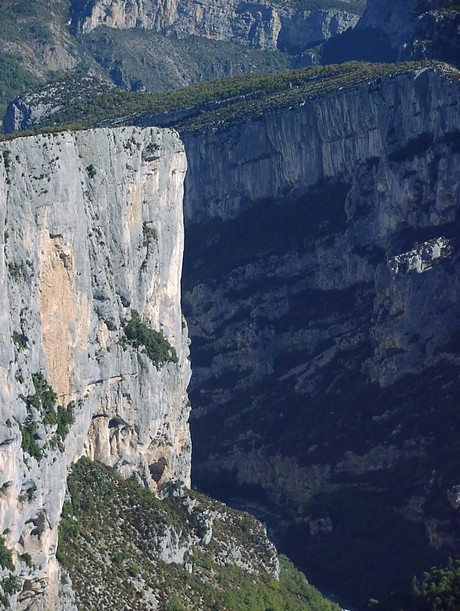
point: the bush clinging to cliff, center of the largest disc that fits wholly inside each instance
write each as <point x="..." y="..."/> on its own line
<point x="156" y="346"/>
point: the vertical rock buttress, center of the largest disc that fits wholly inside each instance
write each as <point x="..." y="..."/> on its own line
<point x="92" y="238"/>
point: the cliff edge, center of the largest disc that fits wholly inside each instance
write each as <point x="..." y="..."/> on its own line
<point x="94" y="347"/>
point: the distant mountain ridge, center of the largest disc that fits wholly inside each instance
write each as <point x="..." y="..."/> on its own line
<point x="148" y="46"/>
<point x="391" y="30"/>
<point x="169" y="44"/>
<point x="265" y="24"/>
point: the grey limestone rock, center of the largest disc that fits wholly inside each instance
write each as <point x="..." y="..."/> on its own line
<point x="415" y="29"/>
<point x="31" y="108"/>
<point x="91" y="231"/>
<point x="262" y="24"/>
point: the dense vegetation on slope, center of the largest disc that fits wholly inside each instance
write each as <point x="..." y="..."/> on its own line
<point x="208" y="105"/>
<point x="439" y="588"/>
<point x="144" y="60"/>
<point x="41" y="41"/>
<point x="351" y="6"/>
<point x="13" y="79"/>
<point x="115" y="537"/>
<point x="27" y="29"/>
<point x="25" y="20"/>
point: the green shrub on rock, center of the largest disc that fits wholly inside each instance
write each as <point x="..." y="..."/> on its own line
<point x="155" y="345"/>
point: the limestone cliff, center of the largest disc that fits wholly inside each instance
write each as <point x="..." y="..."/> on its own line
<point x="94" y="348"/>
<point x="321" y="288"/>
<point x="416" y="29"/>
<point x="396" y="31"/>
<point x="263" y="24"/>
<point x="148" y="45"/>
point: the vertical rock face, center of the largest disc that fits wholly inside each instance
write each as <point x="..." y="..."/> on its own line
<point x="92" y="237"/>
<point x="397" y="31"/>
<point x="257" y="24"/>
<point x="396" y="19"/>
<point x="321" y="289"/>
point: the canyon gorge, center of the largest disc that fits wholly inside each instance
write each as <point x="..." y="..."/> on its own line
<point x="254" y="293"/>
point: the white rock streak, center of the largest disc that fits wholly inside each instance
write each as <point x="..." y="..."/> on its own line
<point x="422" y="257"/>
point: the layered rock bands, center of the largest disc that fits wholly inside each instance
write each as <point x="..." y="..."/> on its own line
<point x="321" y="289"/>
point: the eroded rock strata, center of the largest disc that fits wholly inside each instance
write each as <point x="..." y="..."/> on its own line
<point x="398" y="31"/>
<point x="321" y="287"/>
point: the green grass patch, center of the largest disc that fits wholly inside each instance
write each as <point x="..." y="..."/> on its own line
<point x="351" y="6"/>
<point x="14" y="79"/>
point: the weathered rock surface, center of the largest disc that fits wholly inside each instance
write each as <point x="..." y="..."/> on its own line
<point x="416" y="29"/>
<point x="123" y="548"/>
<point x="262" y="24"/>
<point x="321" y="285"/>
<point x="91" y="232"/>
<point x="155" y="46"/>
<point x="321" y="291"/>
<point x="30" y="109"/>
<point x="398" y="31"/>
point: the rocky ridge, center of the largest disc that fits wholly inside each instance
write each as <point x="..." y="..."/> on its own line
<point x="416" y="29"/>
<point x="92" y="238"/>
<point x="399" y="31"/>
<point x="187" y="551"/>
<point x="30" y="109"/>
<point x="264" y="24"/>
<point x="154" y="46"/>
